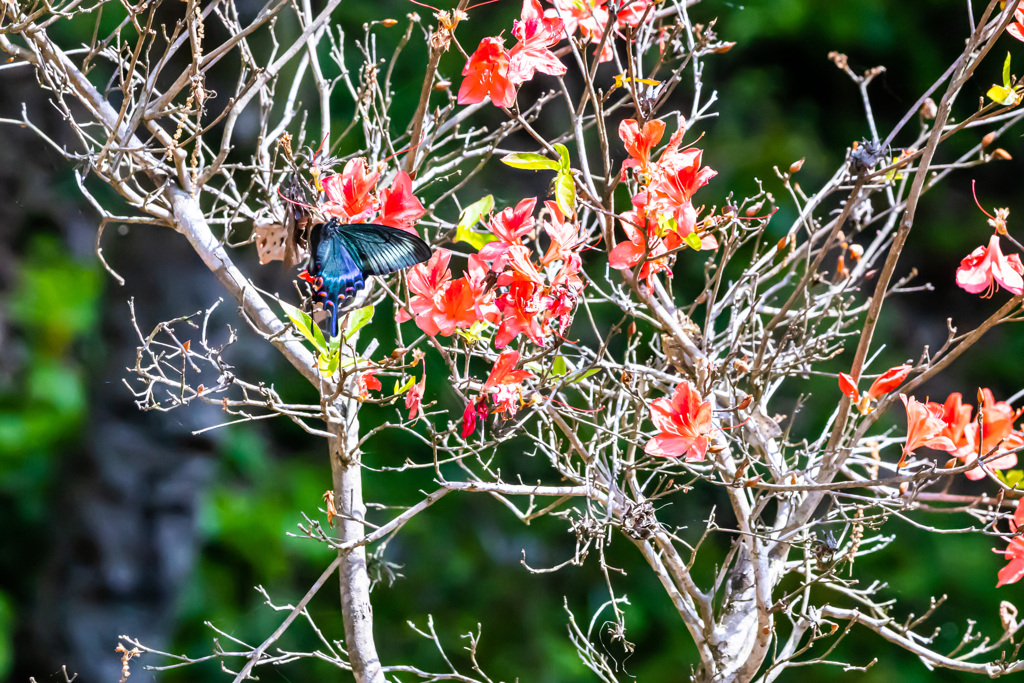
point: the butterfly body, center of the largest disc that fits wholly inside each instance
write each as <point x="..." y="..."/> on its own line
<point x="344" y="255"/>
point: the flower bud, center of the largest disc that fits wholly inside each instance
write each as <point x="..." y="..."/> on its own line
<point x="796" y="165"/>
<point x="988" y="139"/>
<point x="1001" y="154"/>
<point x="928" y="109"/>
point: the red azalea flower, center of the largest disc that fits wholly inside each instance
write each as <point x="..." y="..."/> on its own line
<point x="957" y="417"/>
<point x="589" y="16"/>
<point x="519" y="267"/>
<point x="924" y="428"/>
<point x="399" y="207"/>
<point x="427" y="281"/>
<point x="997" y="418"/>
<point x="1016" y="28"/>
<point x="640" y="142"/>
<point x="986" y="266"/>
<point x="483" y="291"/>
<point x="1014" y="570"/>
<point x="565" y="236"/>
<point x="414" y="397"/>
<point x="455" y="308"/>
<point x="503" y="382"/>
<point x="633" y="13"/>
<point x="848" y="386"/>
<point x="519" y="307"/>
<point x="486" y="73"/>
<point x="536" y="33"/>
<point x="509" y="225"/>
<point x="683" y="422"/>
<point x="889" y="380"/>
<point x="350" y="193"/>
<point x="677" y="177"/>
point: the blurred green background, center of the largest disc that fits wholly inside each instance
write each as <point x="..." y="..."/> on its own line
<point x="122" y="522"/>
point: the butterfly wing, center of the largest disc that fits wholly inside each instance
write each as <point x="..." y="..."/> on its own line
<point x="338" y="276"/>
<point x="344" y="255"/>
<point x="380" y="249"/>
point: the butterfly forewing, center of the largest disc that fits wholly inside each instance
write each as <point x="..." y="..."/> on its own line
<point x="380" y="249"/>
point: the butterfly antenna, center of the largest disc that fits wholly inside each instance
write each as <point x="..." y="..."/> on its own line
<point x="480" y="4"/>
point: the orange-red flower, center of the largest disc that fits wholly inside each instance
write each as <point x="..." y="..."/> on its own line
<point x="997" y="418"/>
<point x="350" y="194"/>
<point x="1014" y="569"/>
<point x="509" y="226"/>
<point x="987" y="266"/>
<point x="1016" y="28"/>
<point x="924" y="428"/>
<point x="886" y="382"/>
<point x="683" y="422"/>
<point x="639" y="143"/>
<point x="486" y="73"/>
<point x="427" y="281"/>
<point x="504" y="382"/>
<point x="399" y="207"/>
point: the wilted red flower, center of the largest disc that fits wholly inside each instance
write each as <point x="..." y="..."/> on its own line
<point x="471" y="414"/>
<point x="537" y="34"/>
<point x="399" y="207"/>
<point x="924" y="428"/>
<point x="486" y="73"/>
<point x="414" y="397"/>
<point x="683" y="422"/>
<point x="367" y="383"/>
<point x="987" y="266"/>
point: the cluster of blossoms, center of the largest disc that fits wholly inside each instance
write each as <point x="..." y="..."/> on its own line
<point x="493" y="71"/>
<point x="952" y="427"/>
<point x="505" y="286"/>
<point x="352" y="197"/>
<point x="663" y="218"/>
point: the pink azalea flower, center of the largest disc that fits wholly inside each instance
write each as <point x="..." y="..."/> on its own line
<point x="986" y="266"/>
<point x="537" y="34"/>
<point x="350" y="194"/>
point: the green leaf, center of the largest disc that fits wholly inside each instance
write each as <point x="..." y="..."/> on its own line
<point x="405" y="387"/>
<point x="565" y="193"/>
<point x="589" y="373"/>
<point x="693" y="241"/>
<point x="530" y="161"/>
<point x="305" y="325"/>
<point x="559" y="368"/>
<point x="328" y="363"/>
<point x="357" y="320"/>
<point x="470" y="216"/>
<point x="1012" y="478"/>
<point x="564" y="154"/>
<point x="1006" y="71"/>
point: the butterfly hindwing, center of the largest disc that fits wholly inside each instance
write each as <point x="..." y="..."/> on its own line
<point x="345" y="255"/>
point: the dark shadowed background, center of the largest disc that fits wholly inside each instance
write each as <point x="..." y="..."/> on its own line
<point x="122" y="522"/>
